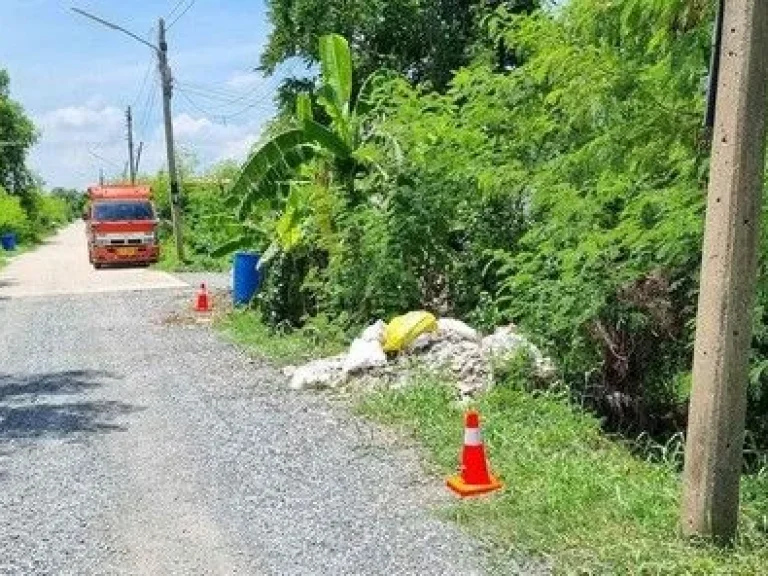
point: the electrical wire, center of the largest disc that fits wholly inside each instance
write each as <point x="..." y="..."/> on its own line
<point x="99" y="157"/>
<point x="146" y="73"/>
<point x="226" y="95"/>
<point x="148" y="109"/>
<point x="179" y="17"/>
<point x="221" y="94"/>
<point x="173" y="11"/>
<point x="224" y="116"/>
<point x="223" y="101"/>
<point x="217" y="103"/>
<point x="143" y="84"/>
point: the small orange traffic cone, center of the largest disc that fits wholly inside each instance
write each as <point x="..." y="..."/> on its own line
<point x="474" y="478"/>
<point x="203" y="304"/>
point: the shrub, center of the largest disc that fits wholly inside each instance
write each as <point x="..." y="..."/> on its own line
<point x="13" y="218"/>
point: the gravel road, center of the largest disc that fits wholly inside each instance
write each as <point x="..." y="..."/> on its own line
<point x="133" y="444"/>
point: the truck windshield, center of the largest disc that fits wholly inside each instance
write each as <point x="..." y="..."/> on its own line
<point x="123" y="211"/>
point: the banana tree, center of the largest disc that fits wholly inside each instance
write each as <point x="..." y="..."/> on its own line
<point x="267" y="179"/>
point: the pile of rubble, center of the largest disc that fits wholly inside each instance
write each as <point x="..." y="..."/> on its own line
<point x="454" y="347"/>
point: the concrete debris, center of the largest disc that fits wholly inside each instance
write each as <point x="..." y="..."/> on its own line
<point x="364" y="354"/>
<point x="505" y="341"/>
<point x="422" y="342"/>
<point x="456" y="329"/>
<point x="374" y="332"/>
<point x="318" y="374"/>
<point x="456" y="349"/>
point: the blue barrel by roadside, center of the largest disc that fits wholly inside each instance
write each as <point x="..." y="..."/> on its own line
<point x="8" y="241"/>
<point x="245" y="277"/>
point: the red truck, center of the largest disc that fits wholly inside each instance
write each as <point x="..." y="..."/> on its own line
<point x="121" y="226"/>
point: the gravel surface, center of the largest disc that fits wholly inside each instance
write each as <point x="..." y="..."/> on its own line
<point x="133" y="442"/>
<point x="214" y="280"/>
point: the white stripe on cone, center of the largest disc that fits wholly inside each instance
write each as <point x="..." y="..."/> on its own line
<point x="472" y="437"/>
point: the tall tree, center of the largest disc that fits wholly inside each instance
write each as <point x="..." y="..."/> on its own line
<point x="426" y="40"/>
<point x="17" y="136"/>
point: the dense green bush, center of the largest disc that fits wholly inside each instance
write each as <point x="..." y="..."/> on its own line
<point x="74" y="200"/>
<point x="207" y="223"/>
<point x="13" y="218"/>
<point x="564" y="194"/>
<point x="50" y="212"/>
<point x="33" y="214"/>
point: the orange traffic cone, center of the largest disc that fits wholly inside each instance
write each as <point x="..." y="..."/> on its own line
<point x="474" y="478"/>
<point x="203" y="304"/>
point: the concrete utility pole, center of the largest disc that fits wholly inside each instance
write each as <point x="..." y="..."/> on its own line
<point x="165" y="73"/>
<point x="713" y="451"/>
<point x="138" y="156"/>
<point x="131" y="162"/>
<point x="167" y="82"/>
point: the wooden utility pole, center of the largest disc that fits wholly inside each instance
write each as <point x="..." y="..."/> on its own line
<point x="167" y="84"/>
<point x="131" y="162"/>
<point x="713" y="452"/>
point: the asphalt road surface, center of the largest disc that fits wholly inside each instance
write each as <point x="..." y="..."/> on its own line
<point x="134" y="444"/>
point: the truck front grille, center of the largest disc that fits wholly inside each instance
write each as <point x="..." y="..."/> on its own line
<point x="123" y="241"/>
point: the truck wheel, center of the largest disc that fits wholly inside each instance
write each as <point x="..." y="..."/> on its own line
<point x="98" y="266"/>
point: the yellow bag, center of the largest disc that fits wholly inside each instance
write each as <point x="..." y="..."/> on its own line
<point x="402" y="330"/>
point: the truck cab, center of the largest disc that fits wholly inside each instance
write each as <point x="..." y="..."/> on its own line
<point x="121" y="226"/>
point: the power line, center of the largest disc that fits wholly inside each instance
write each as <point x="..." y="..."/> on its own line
<point x="224" y="95"/>
<point x="148" y="109"/>
<point x="143" y="84"/>
<point x="191" y="3"/>
<point x="217" y="96"/>
<point x="192" y="102"/>
<point x="218" y="103"/>
<point x="146" y="74"/>
<point x="225" y="101"/>
<point x="228" y="115"/>
<point x="99" y="157"/>
<point x="176" y="7"/>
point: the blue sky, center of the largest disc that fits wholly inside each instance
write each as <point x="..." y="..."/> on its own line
<point x="75" y="79"/>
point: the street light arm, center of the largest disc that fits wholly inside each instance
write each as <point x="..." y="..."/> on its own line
<point x="116" y="27"/>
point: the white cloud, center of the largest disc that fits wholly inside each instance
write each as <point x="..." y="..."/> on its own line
<point x="76" y="141"/>
<point x="92" y="121"/>
<point x="238" y="148"/>
<point x="185" y="126"/>
<point x="242" y="80"/>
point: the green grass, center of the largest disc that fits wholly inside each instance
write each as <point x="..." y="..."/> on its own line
<point x="572" y="495"/>
<point x="169" y="261"/>
<point x="316" y="340"/>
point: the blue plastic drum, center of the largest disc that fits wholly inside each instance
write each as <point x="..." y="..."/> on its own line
<point x="8" y="241"/>
<point x="245" y="277"/>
